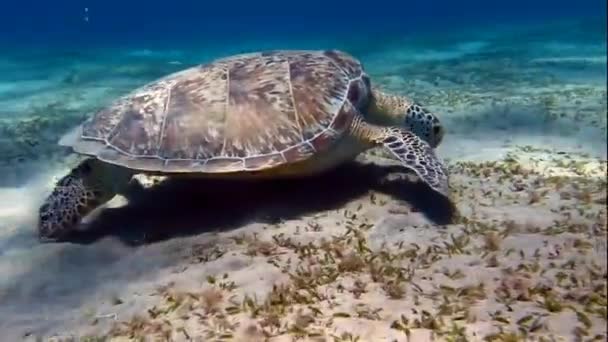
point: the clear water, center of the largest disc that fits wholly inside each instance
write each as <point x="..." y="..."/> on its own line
<point x="519" y="78"/>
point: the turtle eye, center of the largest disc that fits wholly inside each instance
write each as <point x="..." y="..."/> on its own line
<point x="436" y="130"/>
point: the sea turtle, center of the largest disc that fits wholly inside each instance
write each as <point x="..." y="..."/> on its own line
<point x="279" y="113"/>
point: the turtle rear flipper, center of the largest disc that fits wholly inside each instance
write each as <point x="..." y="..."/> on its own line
<point x="413" y="152"/>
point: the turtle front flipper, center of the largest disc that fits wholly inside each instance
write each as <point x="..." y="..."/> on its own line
<point x="87" y="186"/>
<point x="413" y="152"/>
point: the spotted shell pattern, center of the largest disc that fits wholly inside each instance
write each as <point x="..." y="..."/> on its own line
<point x="241" y="113"/>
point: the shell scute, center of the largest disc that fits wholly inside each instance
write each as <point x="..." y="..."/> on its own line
<point x="346" y="62"/>
<point x="196" y="109"/>
<point x="358" y="93"/>
<point x="261" y="116"/>
<point x="223" y="163"/>
<point x="319" y="88"/>
<point x="340" y="124"/>
<point x="132" y="123"/>
<point x="300" y="151"/>
<point x="260" y="162"/>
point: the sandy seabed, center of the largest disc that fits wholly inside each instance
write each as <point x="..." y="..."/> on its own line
<point x="363" y="253"/>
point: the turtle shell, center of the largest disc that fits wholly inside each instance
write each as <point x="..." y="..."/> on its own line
<point x="246" y="112"/>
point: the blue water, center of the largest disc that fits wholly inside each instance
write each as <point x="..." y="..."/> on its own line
<point x="200" y="22"/>
<point x="501" y="74"/>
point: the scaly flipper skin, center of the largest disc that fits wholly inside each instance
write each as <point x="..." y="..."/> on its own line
<point x="87" y="186"/>
<point x="403" y="111"/>
<point x="412" y="151"/>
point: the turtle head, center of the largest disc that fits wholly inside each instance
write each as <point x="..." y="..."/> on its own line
<point x="74" y="196"/>
<point x="403" y="111"/>
<point x="424" y="124"/>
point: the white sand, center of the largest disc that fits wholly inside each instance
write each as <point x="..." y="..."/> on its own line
<point x="71" y="289"/>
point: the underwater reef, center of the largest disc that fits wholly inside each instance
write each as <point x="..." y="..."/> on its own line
<point x="362" y="253"/>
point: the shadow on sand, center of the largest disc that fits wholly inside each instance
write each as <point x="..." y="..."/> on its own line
<point x="185" y="207"/>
